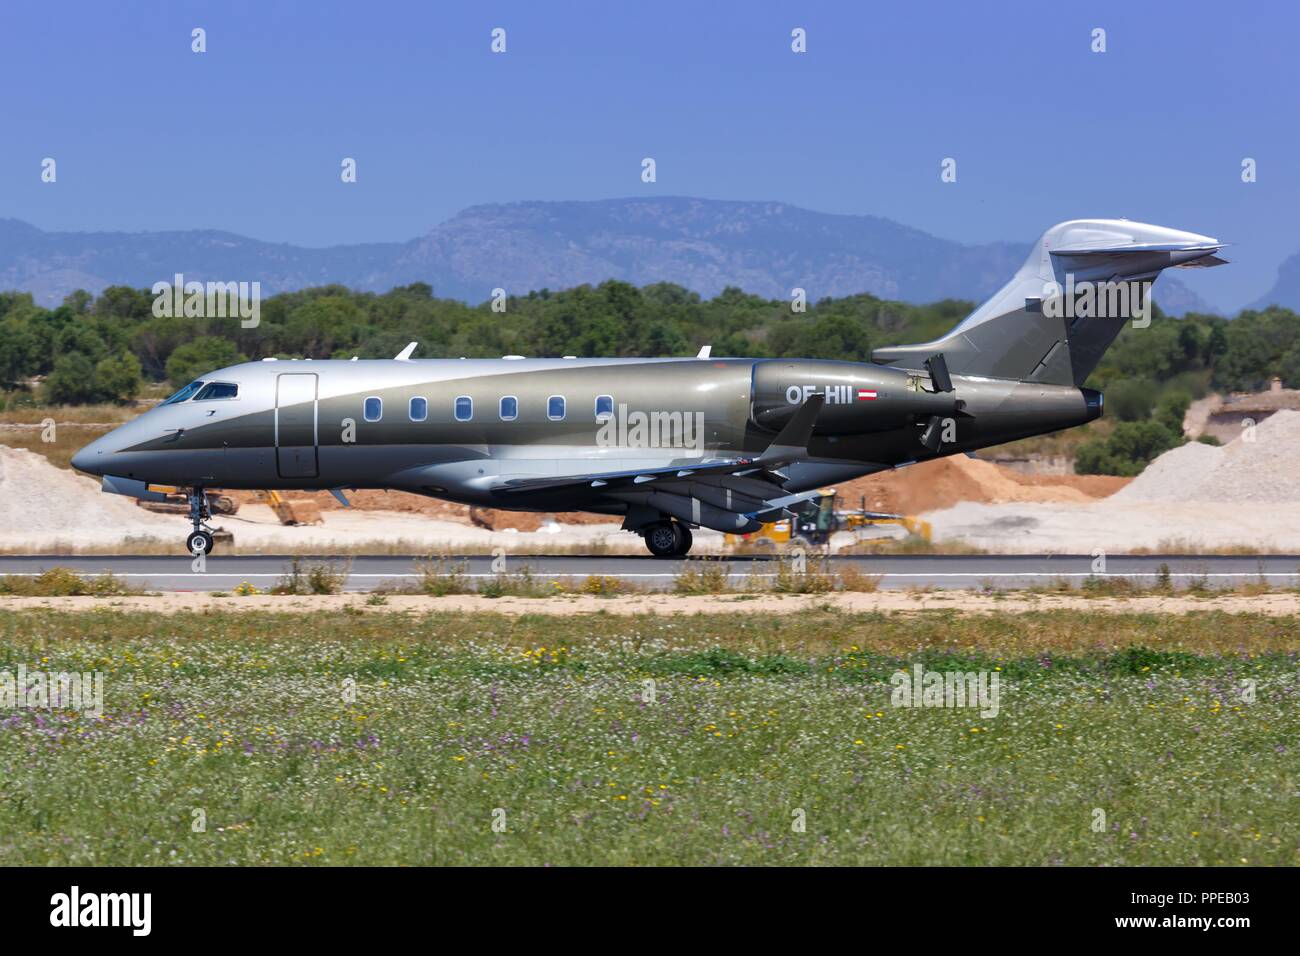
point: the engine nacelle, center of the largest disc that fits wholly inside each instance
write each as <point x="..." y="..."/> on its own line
<point x="859" y="398"/>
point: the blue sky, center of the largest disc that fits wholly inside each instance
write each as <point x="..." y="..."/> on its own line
<point x="249" y="136"/>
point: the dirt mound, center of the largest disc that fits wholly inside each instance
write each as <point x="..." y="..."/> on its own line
<point x="944" y="482"/>
<point x="1265" y="469"/>
<point x="38" y="497"/>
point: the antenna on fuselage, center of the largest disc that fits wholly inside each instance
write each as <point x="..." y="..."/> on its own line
<point x="405" y="354"/>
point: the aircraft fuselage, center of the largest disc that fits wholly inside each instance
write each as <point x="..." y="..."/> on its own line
<point x="459" y="429"/>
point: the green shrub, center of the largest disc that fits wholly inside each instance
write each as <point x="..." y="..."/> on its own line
<point x="200" y="357"/>
<point x="439" y="577"/>
<point x="320" y="578"/>
<point x="702" y="576"/>
<point x="1126" y="450"/>
<point x="62" y="582"/>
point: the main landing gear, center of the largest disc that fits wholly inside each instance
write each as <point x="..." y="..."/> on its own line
<point x="668" y="539"/>
<point x="200" y="539"/>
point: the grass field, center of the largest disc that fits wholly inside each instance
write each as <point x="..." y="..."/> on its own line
<point x="388" y="738"/>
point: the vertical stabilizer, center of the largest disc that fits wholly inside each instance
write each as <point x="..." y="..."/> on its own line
<point x="1055" y="319"/>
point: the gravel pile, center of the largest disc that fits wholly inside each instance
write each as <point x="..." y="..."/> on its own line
<point x="36" y="496"/>
<point x="1266" y="469"/>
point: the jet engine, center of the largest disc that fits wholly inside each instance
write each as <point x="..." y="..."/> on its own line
<point x="859" y="398"/>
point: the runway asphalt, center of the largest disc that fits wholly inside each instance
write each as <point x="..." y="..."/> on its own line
<point x="1005" y="572"/>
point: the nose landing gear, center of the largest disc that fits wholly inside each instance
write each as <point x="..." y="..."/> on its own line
<point x="200" y="539"/>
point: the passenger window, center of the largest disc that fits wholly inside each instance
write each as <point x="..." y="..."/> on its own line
<point x="217" y="390"/>
<point x="374" y="409"/>
<point x="419" y="409"/>
<point x="604" y="407"/>
<point x="555" y="408"/>
<point x="509" y="408"/>
<point x="464" y="408"/>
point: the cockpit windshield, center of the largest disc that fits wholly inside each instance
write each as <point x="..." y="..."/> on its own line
<point x="217" y="390"/>
<point x="185" y="393"/>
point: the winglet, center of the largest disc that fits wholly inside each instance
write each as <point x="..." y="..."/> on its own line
<point x="705" y="351"/>
<point x="791" y="443"/>
<point x="405" y="354"/>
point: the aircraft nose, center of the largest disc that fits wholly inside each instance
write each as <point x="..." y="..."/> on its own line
<point x="93" y="459"/>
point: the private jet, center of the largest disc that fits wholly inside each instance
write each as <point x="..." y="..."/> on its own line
<point x="667" y="445"/>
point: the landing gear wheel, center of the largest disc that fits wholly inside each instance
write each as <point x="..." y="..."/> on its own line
<point x="199" y="542"/>
<point x="662" y="539"/>
<point x="200" y="539"/>
<point x="684" y="539"/>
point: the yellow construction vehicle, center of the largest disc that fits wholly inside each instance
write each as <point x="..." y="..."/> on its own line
<point x="288" y="512"/>
<point x="177" y="503"/>
<point x="912" y="523"/>
<point x="292" y="512"/>
<point x="856" y="520"/>
<point x="816" y="519"/>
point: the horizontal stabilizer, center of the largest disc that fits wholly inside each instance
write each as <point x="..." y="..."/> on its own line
<point x="1132" y="247"/>
<point x="1208" y="262"/>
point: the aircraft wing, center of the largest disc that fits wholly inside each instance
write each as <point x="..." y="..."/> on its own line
<point x="790" y="444"/>
<point x="735" y="491"/>
<point x="639" y="476"/>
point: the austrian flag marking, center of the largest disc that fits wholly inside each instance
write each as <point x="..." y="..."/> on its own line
<point x="866" y="394"/>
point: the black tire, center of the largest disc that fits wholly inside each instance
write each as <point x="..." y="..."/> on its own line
<point x="684" y="539"/>
<point x="199" y="542"/>
<point x="662" y="539"/>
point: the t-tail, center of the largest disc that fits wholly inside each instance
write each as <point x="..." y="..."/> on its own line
<point x="1054" y="320"/>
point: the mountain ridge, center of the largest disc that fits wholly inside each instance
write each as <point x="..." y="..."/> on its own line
<point x="1286" y="288"/>
<point x="767" y="248"/>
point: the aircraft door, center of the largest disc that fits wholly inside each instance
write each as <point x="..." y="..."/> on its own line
<point x="295" y="425"/>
